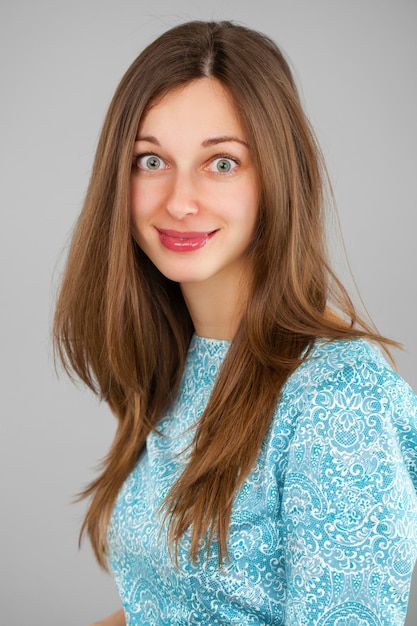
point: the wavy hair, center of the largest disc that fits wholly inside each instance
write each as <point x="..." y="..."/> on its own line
<point x="124" y="329"/>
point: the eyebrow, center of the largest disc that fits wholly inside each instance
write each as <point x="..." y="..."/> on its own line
<point x="205" y="144"/>
<point x="149" y="139"/>
<point x="223" y="139"/>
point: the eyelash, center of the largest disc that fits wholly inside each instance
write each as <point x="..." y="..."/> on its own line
<point x="229" y="157"/>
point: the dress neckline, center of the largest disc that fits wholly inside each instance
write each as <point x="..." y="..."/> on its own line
<point x="198" y="340"/>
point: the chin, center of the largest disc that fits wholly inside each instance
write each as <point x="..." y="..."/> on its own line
<point x="188" y="271"/>
<point x="186" y="278"/>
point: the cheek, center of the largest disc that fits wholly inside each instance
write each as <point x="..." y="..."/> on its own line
<point x="144" y="202"/>
<point x="247" y="206"/>
<point x="138" y="201"/>
<point x="138" y="207"/>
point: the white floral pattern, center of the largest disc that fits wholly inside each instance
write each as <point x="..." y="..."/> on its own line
<point x="324" y="530"/>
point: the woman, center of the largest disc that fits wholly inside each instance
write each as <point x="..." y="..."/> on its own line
<point x="262" y="470"/>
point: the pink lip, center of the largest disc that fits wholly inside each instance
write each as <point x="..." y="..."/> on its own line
<point x="184" y="241"/>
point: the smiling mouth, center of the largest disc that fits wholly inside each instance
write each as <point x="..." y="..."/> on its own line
<point x="184" y="241"/>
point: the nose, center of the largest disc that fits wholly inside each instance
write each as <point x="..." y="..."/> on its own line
<point x="183" y="197"/>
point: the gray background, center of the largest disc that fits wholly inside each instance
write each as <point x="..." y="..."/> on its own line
<point x="60" y="63"/>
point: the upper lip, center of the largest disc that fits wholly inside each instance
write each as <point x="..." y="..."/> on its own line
<point x="178" y="234"/>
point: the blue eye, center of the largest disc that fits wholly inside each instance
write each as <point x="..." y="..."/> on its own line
<point x="149" y="162"/>
<point x="223" y="165"/>
<point x="153" y="163"/>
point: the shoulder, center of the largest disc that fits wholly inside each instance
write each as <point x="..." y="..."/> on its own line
<point x="328" y="358"/>
<point x="345" y="395"/>
<point x="349" y="375"/>
<point x="356" y="366"/>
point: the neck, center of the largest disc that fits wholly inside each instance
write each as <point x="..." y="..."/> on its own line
<point x="216" y="308"/>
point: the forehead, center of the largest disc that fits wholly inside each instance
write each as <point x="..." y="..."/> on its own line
<point x="201" y="106"/>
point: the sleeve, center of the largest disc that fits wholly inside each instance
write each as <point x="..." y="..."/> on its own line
<point x="349" y="505"/>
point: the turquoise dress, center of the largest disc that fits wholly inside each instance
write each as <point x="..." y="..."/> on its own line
<point x="324" y="530"/>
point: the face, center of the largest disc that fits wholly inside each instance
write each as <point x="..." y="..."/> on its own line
<point x="194" y="194"/>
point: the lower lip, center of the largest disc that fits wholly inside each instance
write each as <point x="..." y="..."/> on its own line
<point x="185" y="244"/>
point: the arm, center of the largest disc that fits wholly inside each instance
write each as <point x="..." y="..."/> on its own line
<point x="115" y="619"/>
<point x="349" y="506"/>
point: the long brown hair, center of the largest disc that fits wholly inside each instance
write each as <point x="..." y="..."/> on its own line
<point x="124" y="329"/>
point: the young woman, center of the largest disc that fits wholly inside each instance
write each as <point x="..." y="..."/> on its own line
<point x="262" y="470"/>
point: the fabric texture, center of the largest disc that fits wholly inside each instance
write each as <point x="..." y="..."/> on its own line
<point x="324" y="530"/>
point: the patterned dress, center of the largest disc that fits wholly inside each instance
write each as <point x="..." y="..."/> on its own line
<point x="324" y="530"/>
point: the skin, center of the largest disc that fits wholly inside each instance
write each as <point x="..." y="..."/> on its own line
<point x="115" y="619"/>
<point x="194" y="182"/>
